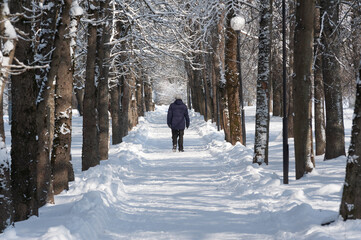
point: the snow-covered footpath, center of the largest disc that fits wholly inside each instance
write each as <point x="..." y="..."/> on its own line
<point x="210" y="191"/>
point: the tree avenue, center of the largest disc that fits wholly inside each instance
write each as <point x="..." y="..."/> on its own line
<point x="112" y="61"/>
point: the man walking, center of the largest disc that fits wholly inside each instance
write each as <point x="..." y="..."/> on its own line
<point x="177" y="120"/>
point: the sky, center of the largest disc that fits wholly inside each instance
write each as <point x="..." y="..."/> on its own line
<point x="210" y="191"/>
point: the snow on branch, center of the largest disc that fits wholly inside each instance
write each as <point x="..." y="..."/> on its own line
<point x="21" y="67"/>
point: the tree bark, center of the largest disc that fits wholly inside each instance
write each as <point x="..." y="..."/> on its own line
<point x="103" y="89"/>
<point x="355" y="37"/>
<point x="4" y="73"/>
<point x="263" y="84"/>
<point x="90" y="150"/>
<point x="302" y="84"/>
<point x="6" y="206"/>
<point x="207" y="101"/>
<point x="148" y="95"/>
<point x="60" y="156"/>
<point x="79" y="94"/>
<point x="45" y="103"/>
<point x="23" y="125"/>
<point x="116" y="114"/>
<point x="350" y="207"/>
<point x="276" y="78"/>
<point x="290" y="111"/>
<point x="140" y="95"/>
<point x="232" y="83"/>
<point x="125" y="105"/>
<point x="219" y="65"/>
<point x="335" y="136"/>
<point x="198" y="88"/>
<point x="319" y="97"/>
<point x="133" y="109"/>
<point x="191" y="82"/>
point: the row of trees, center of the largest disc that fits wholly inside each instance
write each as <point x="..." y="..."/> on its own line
<point x="323" y="61"/>
<point x="56" y="55"/>
<point x="106" y="55"/>
<point x="323" y="48"/>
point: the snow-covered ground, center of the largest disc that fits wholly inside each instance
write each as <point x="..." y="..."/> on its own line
<point x="210" y="191"/>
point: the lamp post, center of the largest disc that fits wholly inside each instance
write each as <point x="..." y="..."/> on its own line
<point x="237" y="24"/>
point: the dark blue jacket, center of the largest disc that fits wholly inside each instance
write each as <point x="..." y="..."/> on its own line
<point x="178" y="118"/>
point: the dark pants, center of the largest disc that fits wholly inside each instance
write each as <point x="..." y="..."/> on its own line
<point x="175" y="135"/>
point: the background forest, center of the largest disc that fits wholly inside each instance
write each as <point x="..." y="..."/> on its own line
<point x="114" y="60"/>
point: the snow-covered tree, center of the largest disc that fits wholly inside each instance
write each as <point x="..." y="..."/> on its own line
<point x="8" y="42"/>
<point x="263" y="84"/>
<point x="351" y="197"/>
<point x="90" y="151"/>
<point x="23" y="124"/>
<point x="330" y="38"/>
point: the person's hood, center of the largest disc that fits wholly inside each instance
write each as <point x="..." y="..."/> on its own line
<point x="178" y="101"/>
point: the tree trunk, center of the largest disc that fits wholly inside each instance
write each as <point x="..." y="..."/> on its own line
<point x="116" y="114"/>
<point x="350" y="207"/>
<point x="125" y="105"/>
<point x="318" y="88"/>
<point x="133" y="109"/>
<point x="60" y="156"/>
<point x="6" y="207"/>
<point x="232" y="83"/>
<point x="23" y="125"/>
<point x="103" y="89"/>
<point x="148" y="95"/>
<point x="335" y="136"/>
<point x="263" y="85"/>
<point x="355" y="37"/>
<point x="276" y="78"/>
<point x="90" y="150"/>
<point x="214" y="87"/>
<point x="193" y="94"/>
<point x="290" y="112"/>
<point x="79" y="94"/>
<point x="45" y="103"/>
<point x="206" y="86"/>
<point x="140" y="94"/>
<point x="9" y="53"/>
<point x="219" y="65"/>
<point x="302" y="84"/>
<point x="77" y="68"/>
<point x="198" y="88"/>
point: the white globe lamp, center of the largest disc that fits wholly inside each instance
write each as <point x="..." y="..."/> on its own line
<point x="238" y="22"/>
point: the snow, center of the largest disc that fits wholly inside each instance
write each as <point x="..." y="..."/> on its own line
<point x="76" y="10"/>
<point x="210" y="191"/>
<point x="5" y="8"/>
<point x="10" y="30"/>
<point x="4" y="157"/>
<point x="64" y="129"/>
